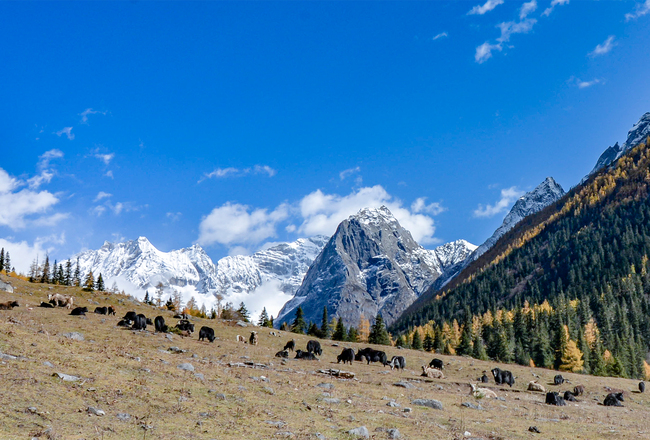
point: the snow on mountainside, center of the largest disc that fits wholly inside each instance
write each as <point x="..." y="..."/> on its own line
<point x="267" y="278"/>
<point x="371" y="264"/>
<point x="639" y="133"/>
<point x="534" y="201"/>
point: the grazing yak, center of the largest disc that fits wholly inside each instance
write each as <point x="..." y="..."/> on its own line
<point x="503" y="377"/>
<point x="159" y="324"/>
<point x="185" y="325"/>
<point x="534" y="386"/>
<point x="437" y="363"/>
<point x="47" y="305"/>
<point x="240" y="338"/>
<point x="101" y="310"/>
<point x="559" y="380"/>
<point x="314" y="347"/>
<point x="481" y="393"/>
<point x="253" y="339"/>
<point x="641" y="387"/>
<point x="79" y="311"/>
<point x="182" y="316"/>
<point x="111" y="310"/>
<point x="569" y="396"/>
<point x="130" y="316"/>
<point x="206" y="332"/>
<point x="347" y="355"/>
<point x="397" y="362"/>
<point x="371" y="355"/>
<point x="282" y="354"/>
<point x="60" y="300"/>
<point x="614" y="399"/>
<point x="305" y="355"/>
<point x="124" y="323"/>
<point x="432" y="373"/>
<point x="140" y="322"/>
<point x="554" y="398"/>
<point x="9" y="305"/>
<point x="578" y="390"/>
<point x="484" y="378"/>
<point x="291" y="345"/>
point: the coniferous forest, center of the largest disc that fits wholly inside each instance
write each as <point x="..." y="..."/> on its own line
<point x="567" y="289"/>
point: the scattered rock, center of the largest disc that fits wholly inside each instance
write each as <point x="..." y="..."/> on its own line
<point x="361" y="431"/>
<point x="404" y="385"/>
<point x="285" y="434"/>
<point x="123" y="417"/>
<point x="220" y="396"/>
<point x="185" y="366"/>
<point x="393" y="404"/>
<point x="279" y="424"/>
<point x="48" y="364"/>
<point x="430" y="403"/>
<point x="394" y="433"/>
<point x="95" y="411"/>
<point x="407" y="410"/>
<point x="242" y="324"/>
<point x="327" y="386"/>
<point x="331" y="400"/>
<point x="176" y="350"/>
<point x="319" y="436"/>
<point x="67" y="377"/>
<point x="268" y="390"/>
<point x="199" y="376"/>
<point x="6" y="287"/>
<point x="75" y="336"/>
<point x="472" y="405"/>
<point x="32" y="409"/>
<point x="7" y="357"/>
<point x="146" y="370"/>
<point x="534" y="429"/>
<point x="168" y="336"/>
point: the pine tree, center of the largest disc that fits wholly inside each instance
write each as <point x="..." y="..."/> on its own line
<point x="416" y="341"/>
<point x="2" y="259"/>
<point x="8" y="267"/>
<point x="400" y="342"/>
<point x="378" y="334"/>
<point x="428" y="342"/>
<point x="67" y="278"/>
<point x="77" y="274"/>
<point x="99" y="286"/>
<point x="353" y="334"/>
<point x="54" y="273"/>
<point x="339" y="331"/>
<point x="313" y="330"/>
<point x="45" y="273"/>
<point x="146" y="297"/>
<point x="325" y="326"/>
<point x="438" y="342"/>
<point x="299" y="323"/>
<point x="60" y="276"/>
<point x="478" y="349"/>
<point x="89" y="284"/>
<point x="264" y="318"/>
<point x="465" y="345"/>
<point x="270" y="324"/>
<point x="243" y="312"/>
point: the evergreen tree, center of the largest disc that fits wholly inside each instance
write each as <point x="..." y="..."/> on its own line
<point x="67" y="278"/>
<point x="339" y="331"/>
<point x="428" y="343"/>
<point x="45" y="272"/>
<point x="465" y="346"/>
<point x="243" y="312"/>
<point x="8" y="267"/>
<point x="99" y="285"/>
<point x="270" y="324"/>
<point x="170" y="304"/>
<point x="264" y="318"/>
<point x="285" y="327"/>
<point x="325" y="325"/>
<point x="478" y="348"/>
<point x="353" y="334"/>
<point x="60" y="276"/>
<point x="89" y="284"/>
<point x="146" y="297"/>
<point x="2" y="259"/>
<point x="416" y="343"/>
<point x="313" y="330"/>
<point x="378" y="334"/>
<point x="439" y="342"/>
<point x="77" y="274"/>
<point x="54" y="273"/>
<point x="400" y="342"/>
<point x="34" y="271"/>
<point x="299" y="323"/>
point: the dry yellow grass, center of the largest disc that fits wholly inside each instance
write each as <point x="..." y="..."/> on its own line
<point x="134" y="372"/>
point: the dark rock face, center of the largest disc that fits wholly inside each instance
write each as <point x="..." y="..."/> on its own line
<point x="371" y="264"/>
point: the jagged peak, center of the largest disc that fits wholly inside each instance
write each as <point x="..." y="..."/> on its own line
<point x="457" y="243"/>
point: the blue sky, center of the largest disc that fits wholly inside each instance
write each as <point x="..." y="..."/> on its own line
<point x="237" y="124"/>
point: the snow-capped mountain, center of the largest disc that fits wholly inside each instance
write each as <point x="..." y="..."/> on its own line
<point x="639" y="133"/>
<point x="371" y="264"/>
<point x="267" y="278"/>
<point x="534" y="201"/>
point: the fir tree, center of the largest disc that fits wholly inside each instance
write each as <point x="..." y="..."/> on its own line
<point x="89" y="284"/>
<point x="378" y="334"/>
<point x="54" y="273"/>
<point x="353" y="335"/>
<point x="45" y="272"/>
<point x="77" y="274"/>
<point x="270" y="324"/>
<point x="478" y="348"/>
<point x="264" y="318"/>
<point x="400" y="342"/>
<point x="465" y="346"/>
<point x="67" y="278"/>
<point x="313" y="330"/>
<point x="438" y="342"/>
<point x="99" y="285"/>
<point x="146" y="297"/>
<point x="428" y="342"/>
<point x="60" y="276"/>
<point x="2" y="259"/>
<point x="8" y="267"/>
<point x="339" y="331"/>
<point x="416" y="343"/>
<point x="299" y="323"/>
<point x="243" y="312"/>
<point x="325" y="325"/>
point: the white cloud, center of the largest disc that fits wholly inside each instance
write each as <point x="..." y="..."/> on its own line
<point x="102" y="195"/>
<point x="84" y="114"/>
<point x="345" y="173"/>
<point x="487" y="7"/>
<point x="604" y="48"/>
<point x="420" y="205"/>
<point x="116" y="208"/>
<point x="322" y="213"/>
<point x="51" y="220"/>
<point x="508" y="196"/>
<point x="237" y="172"/>
<point x="585" y="84"/>
<point x="98" y="210"/>
<point x="484" y="51"/>
<point x="235" y="224"/>
<point x="46" y="174"/>
<point x="640" y="9"/>
<point x="22" y="253"/>
<point x="45" y="158"/>
<point x="527" y="8"/>
<point x="554" y="3"/>
<point x="174" y="216"/>
<point x="67" y="131"/>
<point x="440" y="35"/>
<point x="106" y="158"/>
<point x="16" y="206"/>
<point x="109" y="173"/>
<point x="510" y="27"/>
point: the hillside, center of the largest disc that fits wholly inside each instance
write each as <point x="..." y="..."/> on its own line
<point x="134" y="379"/>
<point x="587" y="255"/>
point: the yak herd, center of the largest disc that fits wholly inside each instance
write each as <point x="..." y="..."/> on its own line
<point x="184" y="327"/>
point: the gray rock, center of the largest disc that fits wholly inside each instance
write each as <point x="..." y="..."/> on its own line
<point x="123" y="417"/>
<point x="471" y="405"/>
<point x="220" y="396"/>
<point x="361" y="431"/>
<point x="285" y="434"/>
<point x="185" y="366"/>
<point x="48" y="364"/>
<point x="394" y="433"/>
<point x="279" y="424"/>
<point x="6" y="287"/>
<point x="95" y="411"/>
<point x="199" y="376"/>
<point x="268" y="390"/>
<point x="331" y="400"/>
<point x="404" y="385"/>
<point x="176" y="350"/>
<point x="67" y="377"/>
<point x="327" y="386"/>
<point x="319" y="436"/>
<point x="75" y="336"/>
<point x="242" y="324"/>
<point x="168" y="336"/>
<point x="430" y="403"/>
<point x="393" y="404"/>
<point x="32" y="409"/>
<point x="7" y="357"/>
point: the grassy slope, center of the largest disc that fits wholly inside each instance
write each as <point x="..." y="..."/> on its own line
<point x="171" y="401"/>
